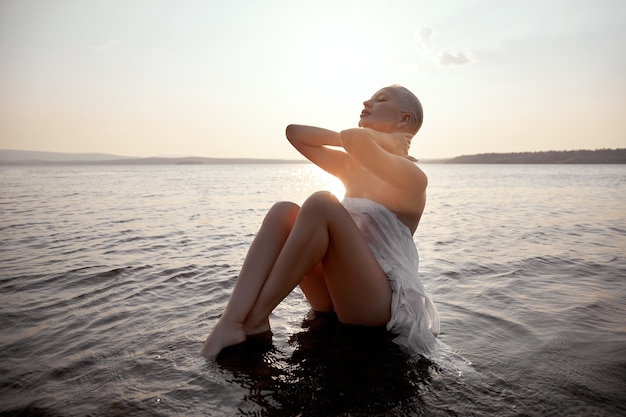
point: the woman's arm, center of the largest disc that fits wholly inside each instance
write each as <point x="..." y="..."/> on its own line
<point x="385" y="155"/>
<point x="313" y="142"/>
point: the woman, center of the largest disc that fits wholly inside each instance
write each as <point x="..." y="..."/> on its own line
<point x="356" y="257"/>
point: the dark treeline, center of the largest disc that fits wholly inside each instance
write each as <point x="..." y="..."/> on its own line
<point x="598" y="156"/>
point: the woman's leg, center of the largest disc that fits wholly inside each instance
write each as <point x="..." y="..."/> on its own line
<point x="314" y="288"/>
<point x="231" y="327"/>
<point x="324" y="232"/>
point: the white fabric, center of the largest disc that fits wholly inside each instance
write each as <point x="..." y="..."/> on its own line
<point x="414" y="317"/>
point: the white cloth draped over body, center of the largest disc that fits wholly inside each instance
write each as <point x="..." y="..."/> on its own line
<point x="414" y="318"/>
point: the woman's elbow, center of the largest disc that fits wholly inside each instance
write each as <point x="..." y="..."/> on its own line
<point x="290" y="131"/>
<point x="294" y="134"/>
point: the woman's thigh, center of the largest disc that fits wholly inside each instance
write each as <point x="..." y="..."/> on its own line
<point x="316" y="291"/>
<point x="357" y="286"/>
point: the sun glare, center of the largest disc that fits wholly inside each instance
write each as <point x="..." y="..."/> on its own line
<point x="310" y="178"/>
<point x="338" y="56"/>
<point x="331" y="183"/>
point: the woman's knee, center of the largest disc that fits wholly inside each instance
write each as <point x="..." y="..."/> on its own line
<point x="320" y="200"/>
<point x="282" y="213"/>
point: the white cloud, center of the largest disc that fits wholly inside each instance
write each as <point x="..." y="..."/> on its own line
<point x="450" y="58"/>
<point x="423" y="37"/>
<point x="429" y="54"/>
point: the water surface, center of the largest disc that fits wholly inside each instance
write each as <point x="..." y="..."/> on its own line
<point x="111" y="277"/>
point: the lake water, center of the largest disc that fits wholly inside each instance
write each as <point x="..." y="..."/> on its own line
<point x="112" y="276"/>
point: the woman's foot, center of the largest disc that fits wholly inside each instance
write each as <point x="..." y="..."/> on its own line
<point x="223" y="335"/>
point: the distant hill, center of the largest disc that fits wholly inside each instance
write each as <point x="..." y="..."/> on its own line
<point x="9" y="156"/>
<point x="15" y="157"/>
<point x="598" y="156"/>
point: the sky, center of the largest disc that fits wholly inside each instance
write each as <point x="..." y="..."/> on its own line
<point x="224" y="78"/>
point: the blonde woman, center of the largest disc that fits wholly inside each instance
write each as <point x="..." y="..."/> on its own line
<point x="355" y="257"/>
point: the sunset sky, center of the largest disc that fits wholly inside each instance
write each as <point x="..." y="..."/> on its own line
<point x="224" y="78"/>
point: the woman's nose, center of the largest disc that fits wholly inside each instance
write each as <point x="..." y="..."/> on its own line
<point x="367" y="103"/>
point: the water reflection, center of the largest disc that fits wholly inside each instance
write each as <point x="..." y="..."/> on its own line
<point x="333" y="369"/>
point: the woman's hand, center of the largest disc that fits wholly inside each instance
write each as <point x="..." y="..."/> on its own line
<point x="400" y="143"/>
<point x="386" y="156"/>
<point x="397" y="143"/>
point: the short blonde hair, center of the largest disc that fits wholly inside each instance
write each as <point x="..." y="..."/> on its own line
<point x="409" y="103"/>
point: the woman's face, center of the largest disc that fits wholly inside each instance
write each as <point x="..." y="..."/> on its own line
<point x="382" y="112"/>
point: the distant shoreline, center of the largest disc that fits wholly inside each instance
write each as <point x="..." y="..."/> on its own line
<point x="25" y="158"/>
<point x="598" y="156"/>
<point x="12" y="157"/>
<point x="158" y="161"/>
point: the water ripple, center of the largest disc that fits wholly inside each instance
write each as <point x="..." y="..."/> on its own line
<point x="110" y="278"/>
